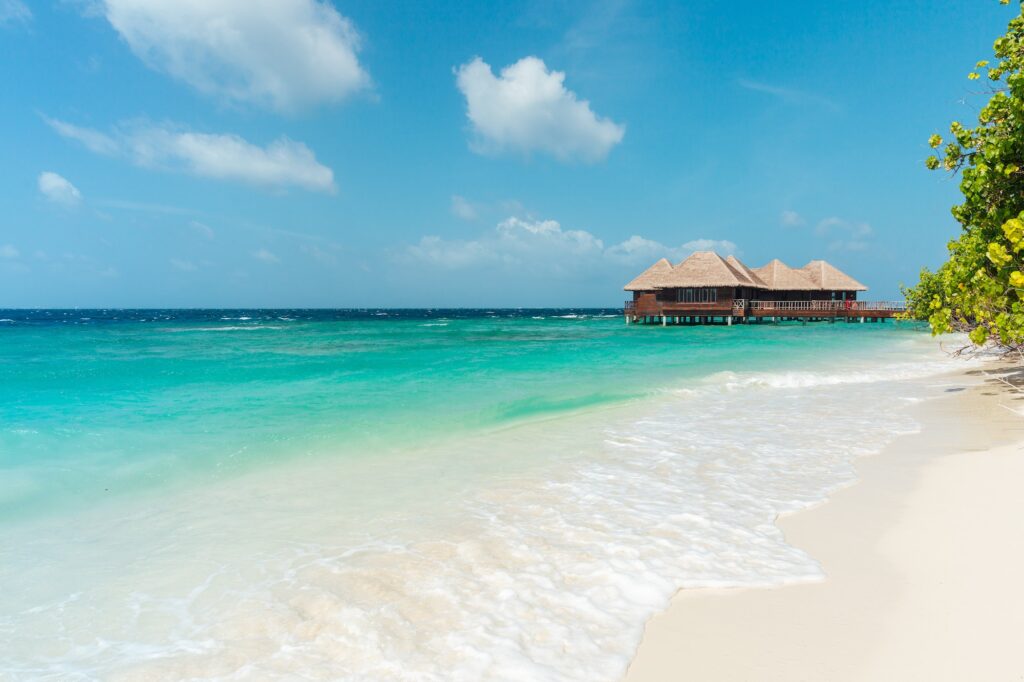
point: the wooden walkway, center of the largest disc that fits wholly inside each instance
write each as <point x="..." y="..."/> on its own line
<point x="741" y="311"/>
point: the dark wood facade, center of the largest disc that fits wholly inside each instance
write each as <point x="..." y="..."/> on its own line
<point x="727" y="305"/>
<point x="706" y="288"/>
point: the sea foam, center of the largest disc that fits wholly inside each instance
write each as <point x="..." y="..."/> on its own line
<point x="471" y="565"/>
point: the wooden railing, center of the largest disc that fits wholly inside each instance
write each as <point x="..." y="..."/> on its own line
<point x="742" y="306"/>
<point x="811" y="306"/>
<point x="631" y="306"/>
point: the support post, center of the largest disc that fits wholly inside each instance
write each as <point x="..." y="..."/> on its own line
<point x="728" y="321"/>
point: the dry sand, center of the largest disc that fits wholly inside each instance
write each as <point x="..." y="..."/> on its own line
<point x="925" y="565"/>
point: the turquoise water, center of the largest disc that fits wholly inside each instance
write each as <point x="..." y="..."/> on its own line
<point x="394" y="495"/>
<point x="96" y="403"/>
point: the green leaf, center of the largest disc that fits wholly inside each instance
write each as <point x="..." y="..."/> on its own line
<point x="980" y="288"/>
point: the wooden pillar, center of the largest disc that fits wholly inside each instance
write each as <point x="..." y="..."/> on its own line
<point x="728" y="321"/>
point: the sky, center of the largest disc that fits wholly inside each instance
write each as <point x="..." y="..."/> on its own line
<point x="353" y="153"/>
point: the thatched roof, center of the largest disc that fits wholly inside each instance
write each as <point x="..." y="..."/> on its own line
<point x="828" y="277"/>
<point x="708" y="269"/>
<point x="749" y="275"/>
<point x="778" y="276"/>
<point x="646" y="280"/>
<point x="702" y="269"/>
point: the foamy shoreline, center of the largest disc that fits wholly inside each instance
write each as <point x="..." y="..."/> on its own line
<point x="537" y="551"/>
<point x="923" y="557"/>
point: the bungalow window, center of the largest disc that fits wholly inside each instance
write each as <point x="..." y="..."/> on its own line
<point x="702" y="295"/>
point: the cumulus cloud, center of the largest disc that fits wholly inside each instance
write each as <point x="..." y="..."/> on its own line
<point x="792" y="219"/>
<point x="282" y="163"/>
<point x="638" y="250"/>
<point x="513" y="242"/>
<point x="528" y="108"/>
<point x="265" y="256"/>
<point x="8" y="252"/>
<point x="58" y="189"/>
<point x="14" y="10"/>
<point x="285" y="55"/>
<point x="845" y="235"/>
<point x="543" y="245"/>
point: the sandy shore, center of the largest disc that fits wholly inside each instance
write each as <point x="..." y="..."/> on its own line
<point x="925" y="565"/>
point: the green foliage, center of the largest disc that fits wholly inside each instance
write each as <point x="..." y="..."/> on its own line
<point x="980" y="289"/>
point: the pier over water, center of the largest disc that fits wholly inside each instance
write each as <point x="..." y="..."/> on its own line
<point x="708" y="289"/>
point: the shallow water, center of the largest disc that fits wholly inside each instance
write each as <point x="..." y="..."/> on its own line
<point x="408" y="494"/>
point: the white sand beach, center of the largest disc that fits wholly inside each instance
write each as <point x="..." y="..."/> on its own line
<point x="924" y="559"/>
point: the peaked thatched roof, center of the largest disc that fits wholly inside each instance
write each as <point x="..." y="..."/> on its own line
<point x="702" y="269"/>
<point x="830" y="278"/>
<point x="708" y="269"/>
<point x="778" y="276"/>
<point x="750" y="276"/>
<point x="647" y="280"/>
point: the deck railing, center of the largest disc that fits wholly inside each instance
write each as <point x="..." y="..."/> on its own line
<point x="811" y="306"/>
<point x="740" y="306"/>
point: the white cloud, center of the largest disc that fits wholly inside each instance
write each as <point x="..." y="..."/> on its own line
<point x="527" y="108"/>
<point x="286" y="55"/>
<point x="792" y="219"/>
<point x="281" y="163"/>
<point x="638" y="250"/>
<point x="845" y="235"/>
<point x="7" y="251"/>
<point x="724" y="247"/>
<point x="463" y="208"/>
<point x="14" y="10"/>
<point x="543" y="246"/>
<point x="93" y="140"/>
<point x="265" y="256"/>
<point x="58" y="190"/>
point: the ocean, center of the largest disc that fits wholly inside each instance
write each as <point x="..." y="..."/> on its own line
<point x="410" y="494"/>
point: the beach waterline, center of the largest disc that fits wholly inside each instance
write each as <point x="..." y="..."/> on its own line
<point x="535" y="549"/>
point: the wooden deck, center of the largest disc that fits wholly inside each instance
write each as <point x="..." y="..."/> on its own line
<point x="742" y="311"/>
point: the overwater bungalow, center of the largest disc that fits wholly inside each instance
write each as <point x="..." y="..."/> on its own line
<point x="706" y="288"/>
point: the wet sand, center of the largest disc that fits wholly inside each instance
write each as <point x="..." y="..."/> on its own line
<point x="924" y="559"/>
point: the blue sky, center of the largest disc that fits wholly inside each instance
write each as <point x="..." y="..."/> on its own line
<point x="166" y="153"/>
